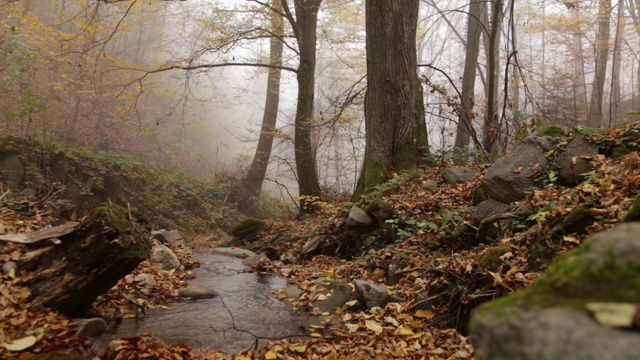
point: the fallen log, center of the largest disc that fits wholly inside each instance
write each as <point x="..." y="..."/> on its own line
<point x="41" y="235"/>
<point x="86" y="262"/>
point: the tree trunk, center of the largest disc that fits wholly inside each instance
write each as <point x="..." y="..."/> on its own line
<point x="633" y="7"/>
<point x="579" y="83"/>
<point x="247" y="193"/>
<point x="616" y="96"/>
<point x="594" y="118"/>
<point x="304" y="27"/>
<point x="396" y="136"/>
<point x="465" y="116"/>
<point x="89" y="260"/>
<point x="492" y="49"/>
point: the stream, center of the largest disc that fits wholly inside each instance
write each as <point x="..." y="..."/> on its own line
<point x="243" y="313"/>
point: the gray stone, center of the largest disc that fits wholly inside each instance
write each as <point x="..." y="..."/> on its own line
<point x="197" y="292"/>
<point x="165" y="257"/>
<point x="575" y="159"/>
<point x="288" y="259"/>
<point x="358" y="217"/>
<point x="146" y="279"/>
<point x="89" y="327"/>
<point x="550" y="334"/>
<point x="488" y="208"/>
<point x="509" y="179"/>
<point x="9" y="267"/>
<point x="430" y="186"/>
<point x="233" y="252"/>
<point x="12" y="168"/>
<point x="337" y="293"/>
<point x="293" y="292"/>
<point x="172" y="237"/>
<point x="459" y="175"/>
<point x="254" y="260"/>
<point x="371" y="295"/>
<point x="542" y="321"/>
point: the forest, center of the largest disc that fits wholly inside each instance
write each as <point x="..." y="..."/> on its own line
<point x="411" y="179"/>
<point x="193" y="85"/>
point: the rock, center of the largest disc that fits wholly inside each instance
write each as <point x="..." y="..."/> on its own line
<point x="164" y="256"/>
<point x="337" y="294"/>
<point x="10" y="267"/>
<point x="254" y="260"/>
<point x="550" y="334"/>
<point x="247" y="228"/>
<point x="459" y="175"/>
<point x="12" y="168"/>
<point x="172" y="237"/>
<point x="575" y="159"/>
<point x="490" y="258"/>
<point x="372" y="295"/>
<point x="510" y="178"/>
<point x="634" y="211"/>
<point x="479" y="195"/>
<point x="548" y="320"/>
<point x="430" y="186"/>
<point x="552" y="131"/>
<point x="488" y="208"/>
<point x="146" y="279"/>
<point x="89" y="327"/>
<point x="358" y="217"/>
<point x="197" y="292"/>
<point x="293" y="292"/>
<point x="422" y="303"/>
<point x="233" y="251"/>
<point x="288" y="259"/>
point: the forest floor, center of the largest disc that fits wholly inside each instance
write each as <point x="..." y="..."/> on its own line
<point x="445" y="270"/>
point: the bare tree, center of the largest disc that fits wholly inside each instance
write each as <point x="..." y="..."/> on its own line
<point x="594" y="117"/>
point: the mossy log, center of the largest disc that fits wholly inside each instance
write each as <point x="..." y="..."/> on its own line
<point x="71" y="273"/>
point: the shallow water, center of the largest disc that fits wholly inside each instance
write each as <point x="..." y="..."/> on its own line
<point x="243" y="313"/>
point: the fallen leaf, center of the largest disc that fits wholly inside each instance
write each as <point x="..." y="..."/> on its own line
<point x="20" y="344"/>
<point x="271" y="354"/>
<point x="374" y="326"/>
<point x="612" y="314"/>
<point x="298" y="348"/>
<point x="425" y="314"/>
<point x="404" y="331"/>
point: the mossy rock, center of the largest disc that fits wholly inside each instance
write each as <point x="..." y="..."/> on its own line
<point x="490" y="258"/>
<point x="377" y="204"/>
<point x="247" y="228"/>
<point x="634" y="212"/>
<point x="606" y="268"/>
<point x="479" y="195"/>
<point x="552" y="130"/>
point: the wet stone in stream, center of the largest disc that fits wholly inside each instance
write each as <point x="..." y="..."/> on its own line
<point x="241" y="314"/>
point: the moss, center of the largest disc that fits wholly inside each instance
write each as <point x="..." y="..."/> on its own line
<point x="574" y="281"/>
<point x="118" y="218"/>
<point x="576" y="220"/>
<point x="247" y="228"/>
<point x="479" y="195"/>
<point x="490" y="258"/>
<point x="634" y="211"/>
<point x="377" y="204"/>
<point x="552" y="130"/>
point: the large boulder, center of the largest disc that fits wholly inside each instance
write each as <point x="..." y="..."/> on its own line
<point x="574" y="160"/>
<point x="458" y="175"/>
<point x="358" y="217"/>
<point x="512" y="176"/>
<point x="488" y="208"/>
<point x="172" y="237"/>
<point x="165" y="257"/>
<point x="555" y="317"/>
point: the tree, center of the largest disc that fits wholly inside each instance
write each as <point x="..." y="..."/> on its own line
<point x="492" y="49"/>
<point x="474" y="29"/>
<point x="396" y="136"/>
<point x="247" y="192"/>
<point x="575" y="48"/>
<point x="594" y="117"/>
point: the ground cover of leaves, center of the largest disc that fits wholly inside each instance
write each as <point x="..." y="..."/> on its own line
<point x="437" y="269"/>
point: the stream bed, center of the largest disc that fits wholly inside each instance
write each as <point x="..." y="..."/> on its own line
<point x="243" y="313"/>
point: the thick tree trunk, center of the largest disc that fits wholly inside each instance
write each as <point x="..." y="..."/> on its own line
<point x="304" y="27"/>
<point x="247" y="193"/>
<point x="88" y="261"/>
<point x="465" y="116"/>
<point x="396" y="137"/>
<point x="594" y="118"/>
<point x="616" y="92"/>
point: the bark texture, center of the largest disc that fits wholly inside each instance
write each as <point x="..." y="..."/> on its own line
<point x="474" y="29"/>
<point x="396" y="136"/>
<point x="594" y="118"/>
<point x="87" y="262"/>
